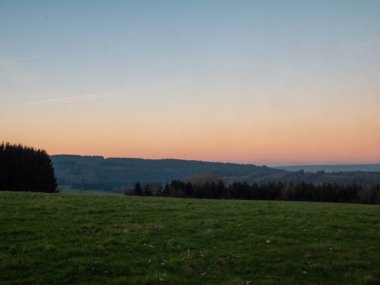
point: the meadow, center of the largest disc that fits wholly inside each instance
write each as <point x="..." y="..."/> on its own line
<point x="99" y="239"/>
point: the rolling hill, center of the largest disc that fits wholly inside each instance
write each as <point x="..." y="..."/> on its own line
<point x="96" y="172"/>
<point x="333" y="167"/>
<point x="118" y="174"/>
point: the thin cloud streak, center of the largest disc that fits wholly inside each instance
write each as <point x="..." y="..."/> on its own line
<point x="72" y="99"/>
<point x="66" y="99"/>
<point x="374" y="41"/>
<point x="9" y="61"/>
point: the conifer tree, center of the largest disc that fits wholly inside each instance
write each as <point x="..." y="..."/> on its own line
<point x="26" y="169"/>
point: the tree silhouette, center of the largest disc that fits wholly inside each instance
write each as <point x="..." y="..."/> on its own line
<point x="275" y="190"/>
<point x="26" y="169"/>
<point x="138" y="189"/>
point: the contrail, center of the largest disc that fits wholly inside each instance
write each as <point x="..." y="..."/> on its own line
<point x="73" y="98"/>
<point x="374" y="41"/>
<point x="2" y="62"/>
<point x="69" y="99"/>
<point x="365" y="44"/>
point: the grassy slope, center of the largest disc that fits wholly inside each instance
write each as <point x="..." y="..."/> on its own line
<point x="62" y="238"/>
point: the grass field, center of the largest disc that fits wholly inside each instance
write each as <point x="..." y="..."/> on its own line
<point x="95" y="239"/>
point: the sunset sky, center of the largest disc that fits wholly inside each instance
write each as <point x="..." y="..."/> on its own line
<point x="263" y="82"/>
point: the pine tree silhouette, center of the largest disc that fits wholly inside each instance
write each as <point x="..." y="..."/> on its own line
<point x="26" y="169"/>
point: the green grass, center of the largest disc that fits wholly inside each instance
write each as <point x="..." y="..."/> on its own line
<point x="70" y="190"/>
<point x="94" y="239"/>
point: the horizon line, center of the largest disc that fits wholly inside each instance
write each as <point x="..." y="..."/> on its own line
<point x="274" y="165"/>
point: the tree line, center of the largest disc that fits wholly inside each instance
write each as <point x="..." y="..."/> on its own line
<point x="286" y="191"/>
<point x="26" y="169"/>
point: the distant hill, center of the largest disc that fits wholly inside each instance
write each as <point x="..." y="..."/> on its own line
<point x="97" y="172"/>
<point x="341" y="177"/>
<point x="332" y="167"/>
<point x="118" y="174"/>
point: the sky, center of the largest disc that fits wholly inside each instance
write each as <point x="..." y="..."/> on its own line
<point x="257" y="81"/>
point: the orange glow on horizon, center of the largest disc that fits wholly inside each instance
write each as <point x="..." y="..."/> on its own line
<point x="289" y="143"/>
<point x="223" y="131"/>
